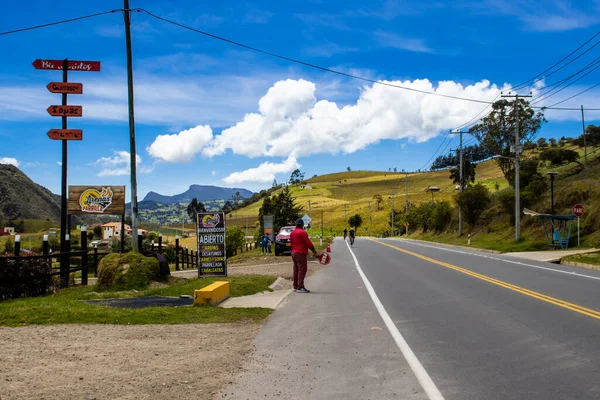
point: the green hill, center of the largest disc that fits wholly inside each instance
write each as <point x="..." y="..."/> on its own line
<point x="343" y="194"/>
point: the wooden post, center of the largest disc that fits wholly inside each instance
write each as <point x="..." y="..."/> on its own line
<point x="17" y="245"/>
<point x="152" y="246"/>
<point x="45" y="246"/>
<point x="139" y="241"/>
<point x="65" y="263"/>
<point x="96" y="260"/>
<point x="160" y="243"/>
<point x="192" y="257"/>
<point x="84" y="258"/>
<point x="176" y="253"/>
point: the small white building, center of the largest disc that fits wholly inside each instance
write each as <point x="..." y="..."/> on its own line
<point x="113" y="230"/>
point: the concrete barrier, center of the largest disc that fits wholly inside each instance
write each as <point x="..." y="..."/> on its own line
<point x="212" y="294"/>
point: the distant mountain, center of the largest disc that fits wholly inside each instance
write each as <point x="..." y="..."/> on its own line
<point x="202" y="193"/>
<point x="21" y="198"/>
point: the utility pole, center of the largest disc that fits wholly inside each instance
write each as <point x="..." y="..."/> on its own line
<point x="393" y="213"/>
<point x="461" y="179"/>
<point x="584" y="144"/>
<point x="132" y="153"/>
<point x="406" y="207"/>
<point x="517" y="167"/>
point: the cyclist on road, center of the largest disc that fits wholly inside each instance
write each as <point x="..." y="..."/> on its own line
<point x="352" y="236"/>
<point x="345" y="233"/>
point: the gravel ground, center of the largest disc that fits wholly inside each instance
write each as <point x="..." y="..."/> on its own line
<point x="121" y="361"/>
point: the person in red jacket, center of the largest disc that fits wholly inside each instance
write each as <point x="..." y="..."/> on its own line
<point x="300" y="244"/>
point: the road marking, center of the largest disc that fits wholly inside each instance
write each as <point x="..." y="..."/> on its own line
<point x="540" y="296"/>
<point x="422" y="376"/>
<point x="501" y="259"/>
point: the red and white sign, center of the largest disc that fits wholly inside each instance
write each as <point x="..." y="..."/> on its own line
<point x="86" y="66"/>
<point x="578" y="210"/>
<point x="65" y="87"/>
<point x="65" y="111"/>
<point x="65" y="134"/>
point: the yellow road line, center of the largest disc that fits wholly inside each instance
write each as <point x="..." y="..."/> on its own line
<point x="548" y="299"/>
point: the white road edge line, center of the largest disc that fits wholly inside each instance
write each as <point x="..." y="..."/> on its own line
<point x="499" y="259"/>
<point x="422" y="376"/>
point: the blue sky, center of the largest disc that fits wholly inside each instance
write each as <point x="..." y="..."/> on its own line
<point x="212" y="113"/>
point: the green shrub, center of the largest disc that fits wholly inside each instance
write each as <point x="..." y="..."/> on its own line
<point x="9" y="246"/>
<point x="127" y="271"/>
<point x="440" y="217"/>
<point x="473" y="201"/>
<point x="24" y="277"/>
<point x="234" y="239"/>
<point x="170" y="254"/>
<point x="115" y="245"/>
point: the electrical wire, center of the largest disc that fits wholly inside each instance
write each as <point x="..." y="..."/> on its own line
<point x="575" y="95"/>
<point x="564" y="87"/>
<point x="61" y="22"/>
<point x="314" y="66"/>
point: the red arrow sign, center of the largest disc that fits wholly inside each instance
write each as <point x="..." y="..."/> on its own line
<point x="65" y="87"/>
<point x="65" y="134"/>
<point x="578" y="210"/>
<point x="65" y="111"/>
<point x="89" y="66"/>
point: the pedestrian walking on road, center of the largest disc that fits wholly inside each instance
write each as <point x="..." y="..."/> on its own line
<point x="300" y="244"/>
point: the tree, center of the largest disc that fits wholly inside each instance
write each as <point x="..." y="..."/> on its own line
<point x="296" y="177"/>
<point x="9" y="246"/>
<point x="227" y="207"/>
<point x="274" y="183"/>
<point x="496" y="132"/>
<point x="468" y="174"/>
<point x="349" y="169"/>
<point x="552" y="142"/>
<point x="379" y="200"/>
<point x="282" y="207"/>
<point x="559" y="156"/>
<point x="541" y="142"/>
<point x="473" y="201"/>
<point x="234" y="239"/>
<point x="98" y="232"/>
<point x="237" y="197"/>
<point x="355" y="221"/>
<point x="395" y="169"/>
<point x="194" y="208"/>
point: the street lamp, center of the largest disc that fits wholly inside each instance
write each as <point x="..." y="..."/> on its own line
<point x="552" y="174"/>
<point x="433" y="189"/>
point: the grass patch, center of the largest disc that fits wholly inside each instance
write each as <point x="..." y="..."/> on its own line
<point x="499" y="241"/>
<point x="589" y="258"/>
<point x="67" y="307"/>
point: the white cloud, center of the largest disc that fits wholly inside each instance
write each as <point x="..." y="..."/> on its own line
<point x="59" y="163"/>
<point x="9" y="160"/>
<point x="181" y="147"/>
<point x="265" y="172"/>
<point x="119" y="164"/>
<point x="395" y="41"/>
<point x="34" y="164"/>
<point x="213" y="173"/>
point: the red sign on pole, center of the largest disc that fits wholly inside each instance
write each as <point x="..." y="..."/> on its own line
<point x="65" y="87"/>
<point x="86" y="66"/>
<point x="578" y="210"/>
<point x="65" y="111"/>
<point x="65" y="134"/>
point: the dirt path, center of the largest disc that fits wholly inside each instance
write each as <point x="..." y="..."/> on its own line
<point x="121" y="362"/>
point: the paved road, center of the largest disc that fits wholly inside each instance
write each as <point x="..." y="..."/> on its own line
<point x="480" y="337"/>
<point x="472" y="325"/>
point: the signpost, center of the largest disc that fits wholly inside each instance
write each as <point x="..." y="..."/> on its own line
<point x="212" y="252"/>
<point x="64" y="111"/>
<point x="578" y="212"/>
<point x="62" y="87"/>
<point x="307" y="220"/>
<point x="65" y="134"/>
<point x="72" y="65"/>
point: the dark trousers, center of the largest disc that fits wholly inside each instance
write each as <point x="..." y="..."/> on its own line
<point x="300" y="268"/>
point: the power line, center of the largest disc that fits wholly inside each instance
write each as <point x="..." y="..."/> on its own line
<point x="521" y="85"/>
<point x="314" y="66"/>
<point x="575" y="95"/>
<point x="564" y="87"/>
<point x="558" y="84"/>
<point x="61" y="22"/>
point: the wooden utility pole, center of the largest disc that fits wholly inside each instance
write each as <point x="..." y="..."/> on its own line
<point x="132" y="152"/>
<point x="461" y="179"/>
<point x="517" y="151"/>
<point x="584" y="144"/>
